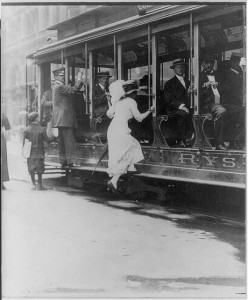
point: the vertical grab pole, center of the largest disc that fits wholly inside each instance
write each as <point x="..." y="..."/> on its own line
<point x="115" y="63"/>
<point x="62" y="58"/>
<point x="87" y="109"/>
<point x="191" y="61"/>
<point x="119" y="59"/>
<point x="92" y="85"/>
<point x="149" y="63"/>
<point x="244" y="47"/>
<point x="67" y="71"/>
<point x="154" y="73"/>
<point x="196" y="67"/>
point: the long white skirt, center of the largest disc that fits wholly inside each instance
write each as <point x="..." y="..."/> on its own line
<point x="124" y="150"/>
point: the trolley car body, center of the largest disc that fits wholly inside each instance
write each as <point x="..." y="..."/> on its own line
<point x="140" y="44"/>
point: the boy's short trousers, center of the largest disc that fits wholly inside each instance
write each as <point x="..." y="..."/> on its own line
<point x="36" y="165"/>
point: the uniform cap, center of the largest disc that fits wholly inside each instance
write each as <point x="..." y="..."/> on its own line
<point x="60" y="71"/>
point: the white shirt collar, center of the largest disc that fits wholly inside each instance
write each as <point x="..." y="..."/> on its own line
<point x="181" y="79"/>
<point x="102" y="87"/>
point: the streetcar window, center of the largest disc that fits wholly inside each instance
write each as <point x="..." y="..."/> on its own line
<point x="220" y="37"/>
<point x="135" y="58"/>
<point x="104" y="62"/>
<point x="171" y="45"/>
<point x="222" y="34"/>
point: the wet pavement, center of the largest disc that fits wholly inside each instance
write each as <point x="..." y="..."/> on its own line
<point x="66" y="242"/>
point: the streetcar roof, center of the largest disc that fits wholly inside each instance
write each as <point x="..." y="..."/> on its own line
<point x="128" y="23"/>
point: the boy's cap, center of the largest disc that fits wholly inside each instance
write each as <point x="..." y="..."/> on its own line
<point x="32" y="116"/>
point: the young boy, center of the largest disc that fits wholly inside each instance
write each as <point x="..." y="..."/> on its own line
<point x="37" y="135"/>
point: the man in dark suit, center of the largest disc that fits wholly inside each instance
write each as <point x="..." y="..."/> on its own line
<point x="178" y="102"/>
<point x="102" y="95"/>
<point x="233" y="102"/>
<point x="211" y="91"/>
<point x="63" y="114"/>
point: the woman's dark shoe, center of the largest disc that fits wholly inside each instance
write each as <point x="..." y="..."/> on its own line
<point x="111" y="187"/>
<point x="3" y="187"/>
<point x="133" y="172"/>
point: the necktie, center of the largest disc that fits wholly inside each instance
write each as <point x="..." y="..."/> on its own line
<point x="215" y="90"/>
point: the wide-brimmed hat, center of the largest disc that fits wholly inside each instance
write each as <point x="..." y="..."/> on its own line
<point x="178" y="61"/>
<point x="32" y="116"/>
<point x="130" y="86"/>
<point x="236" y="56"/>
<point x="208" y="57"/>
<point x="59" y="72"/>
<point x="103" y="74"/>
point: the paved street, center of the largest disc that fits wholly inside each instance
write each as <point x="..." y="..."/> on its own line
<point x="68" y="243"/>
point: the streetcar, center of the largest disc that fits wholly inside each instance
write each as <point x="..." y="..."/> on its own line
<point x="130" y="42"/>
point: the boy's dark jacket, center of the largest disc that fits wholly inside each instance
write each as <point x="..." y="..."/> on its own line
<point x="37" y="135"/>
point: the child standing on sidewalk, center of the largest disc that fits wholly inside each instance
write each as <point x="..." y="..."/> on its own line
<point x="36" y="135"/>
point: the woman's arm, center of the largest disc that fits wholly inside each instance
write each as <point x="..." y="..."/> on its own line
<point x="137" y="115"/>
<point x="111" y="112"/>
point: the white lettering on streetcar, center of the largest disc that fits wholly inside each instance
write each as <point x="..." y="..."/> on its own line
<point x="185" y="158"/>
<point x="210" y="161"/>
<point x="229" y="162"/>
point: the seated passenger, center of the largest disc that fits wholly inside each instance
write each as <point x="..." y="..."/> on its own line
<point x="177" y="101"/>
<point x="102" y="96"/>
<point x="233" y="102"/>
<point x="211" y="90"/>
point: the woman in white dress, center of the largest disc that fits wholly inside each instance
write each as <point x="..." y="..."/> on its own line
<point x="124" y="150"/>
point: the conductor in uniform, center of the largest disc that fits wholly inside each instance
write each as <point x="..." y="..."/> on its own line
<point x="178" y="101"/>
<point x="63" y="114"/>
<point x="102" y="95"/>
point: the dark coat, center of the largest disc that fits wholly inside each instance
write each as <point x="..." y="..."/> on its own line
<point x="46" y="107"/>
<point x="206" y="94"/>
<point x="4" y="165"/>
<point x="37" y="135"/>
<point x="101" y="102"/>
<point x="234" y="89"/>
<point x="175" y="94"/>
<point x="63" y="111"/>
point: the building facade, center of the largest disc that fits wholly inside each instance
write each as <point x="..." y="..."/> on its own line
<point x="24" y="30"/>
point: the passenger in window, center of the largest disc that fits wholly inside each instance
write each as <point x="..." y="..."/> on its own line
<point x="233" y="102"/>
<point x="102" y="96"/>
<point x="177" y="101"/>
<point x="211" y="92"/>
